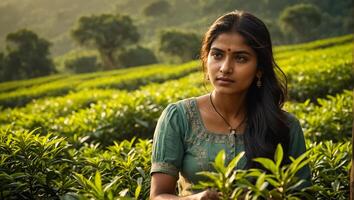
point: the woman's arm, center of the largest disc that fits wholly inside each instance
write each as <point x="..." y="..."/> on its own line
<point x="163" y="187"/>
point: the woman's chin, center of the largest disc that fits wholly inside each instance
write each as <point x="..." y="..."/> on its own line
<point x="228" y="91"/>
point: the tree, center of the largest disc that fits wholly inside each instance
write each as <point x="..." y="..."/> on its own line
<point x="157" y="8"/>
<point x="137" y="56"/>
<point x="2" y="67"/>
<point x="184" y="45"/>
<point x="82" y="64"/>
<point x="107" y="33"/>
<point x="27" y="56"/>
<point x="300" y="20"/>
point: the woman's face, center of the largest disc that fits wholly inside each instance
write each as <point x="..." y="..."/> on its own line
<point x="231" y="64"/>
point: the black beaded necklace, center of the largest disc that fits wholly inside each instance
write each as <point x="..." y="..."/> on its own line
<point x="232" y="130"/>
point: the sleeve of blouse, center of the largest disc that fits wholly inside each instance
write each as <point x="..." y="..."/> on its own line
<point x="298" y="147"/>
<point x="168" y="149"/>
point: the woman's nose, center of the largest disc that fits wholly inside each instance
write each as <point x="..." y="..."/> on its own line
<point x="226" y="67"/>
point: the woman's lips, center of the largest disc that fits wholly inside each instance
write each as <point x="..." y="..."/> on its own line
<point x="225" y="80"/>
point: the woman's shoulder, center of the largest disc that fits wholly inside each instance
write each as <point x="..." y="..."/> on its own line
<point x="294" y="126"/>
<point x="181" y="109"/>
<point x="180" y="105"/>
<point x="290" y="118"/>
<point x="185" y="105"/>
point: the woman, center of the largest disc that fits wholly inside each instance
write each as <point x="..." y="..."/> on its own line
<point x="242" y="113"/>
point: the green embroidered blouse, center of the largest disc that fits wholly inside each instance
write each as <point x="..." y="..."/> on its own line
<point x="182" y="146"/>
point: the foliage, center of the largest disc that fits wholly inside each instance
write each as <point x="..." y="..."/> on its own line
<point x="26" y="56"/>
<point x="13" y="85"/>
<point x="106" y="120"/>
<point x="54" y="19"/>
<point x="33" y="166"/>
<point x="137" y="56"/>
<point x="254" y="183"/>
<point x="318" y="73"/>
<point x="47" y="167"/>
<point x="329" y="162"/>
<point x="157" y="8"/>
<point x="299" y="17"/>
<point x="331" y="119"/>
<point x="2" y="66"/>
<point x="121" y="79"/>
<point x="42" y="167"/>
<point x="107" y="33"/>
<point x="83" y="64"/>
<point x="110" y="114"/>
<point x="182" y="44"/>
<point x="93" y="115"/>
<point x="317" y="44"/>
<point x="96" y="111"/>
<point x="330" y="169"/>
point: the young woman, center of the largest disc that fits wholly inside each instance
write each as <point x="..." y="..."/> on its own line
<point x="242" y="113"/>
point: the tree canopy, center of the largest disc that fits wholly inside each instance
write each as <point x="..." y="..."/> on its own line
<point x="301" y="20"/>
<point x="26" y="56"/>
<point x="182" y="44"/>
<point x="107" y="33"/>
<point x="157" y="8"/>
<point x="137" y="56"/>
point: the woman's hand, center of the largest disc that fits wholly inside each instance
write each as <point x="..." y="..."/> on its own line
<point x="163" y="187"/>
<point x="209" y="194"/>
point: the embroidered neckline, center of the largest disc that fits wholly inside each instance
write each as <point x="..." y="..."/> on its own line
<point x="195" y="110"/>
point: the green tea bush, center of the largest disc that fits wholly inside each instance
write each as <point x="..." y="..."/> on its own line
<point x="33" y="166"/>
<point x="330" y="166"/>
<point x="318" y="44"/>
<point x="331" y="119"/>
<point x="13" y="85"/>
<point x="45" y="110"/>
<point x="329" y="162"/>
<point x="123" y="167"/>
<point x="133" y="115"/>
<point x="105" y="115"/>
<point x="125" y="115"/>
<point x="316" y="74"/>
<point x="119" y="79"/>
<point x="48" y="167"/>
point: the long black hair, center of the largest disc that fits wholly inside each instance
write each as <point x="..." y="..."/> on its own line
<point x="266" y="122"/>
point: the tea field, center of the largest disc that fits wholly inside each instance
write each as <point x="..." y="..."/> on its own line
<point x="89" y="136"/>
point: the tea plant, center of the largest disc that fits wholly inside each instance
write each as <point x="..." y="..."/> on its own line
<point x="330" y="120"/>
<point x="121" y="80"/>
<point x="33" y="166"/>
<point x="48" y="167"/>
<point x="254" y="183"/>
<point x="330" y="166"/>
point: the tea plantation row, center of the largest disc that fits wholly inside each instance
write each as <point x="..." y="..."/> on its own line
<point x="48" y="167"/>
<point x="112" y="115"/>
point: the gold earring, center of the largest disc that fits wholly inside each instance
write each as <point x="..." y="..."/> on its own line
<point x="259" y="82"/>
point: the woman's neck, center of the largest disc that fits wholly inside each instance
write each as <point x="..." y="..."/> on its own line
<point x="231" y="106"/>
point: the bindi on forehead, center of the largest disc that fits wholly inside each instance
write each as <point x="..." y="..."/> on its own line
<point x="228" y="50"/>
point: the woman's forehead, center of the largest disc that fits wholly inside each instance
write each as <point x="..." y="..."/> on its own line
<point x="230" y="42"/>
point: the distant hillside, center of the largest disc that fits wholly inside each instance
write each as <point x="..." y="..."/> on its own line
<point x="53" y="19"/>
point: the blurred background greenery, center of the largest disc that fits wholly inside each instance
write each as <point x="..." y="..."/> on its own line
<point x="40" y="37"/>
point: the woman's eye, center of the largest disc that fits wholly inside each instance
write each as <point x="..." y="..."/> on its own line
<point x="216" y="55"/>
<point x="241" y="59"/>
